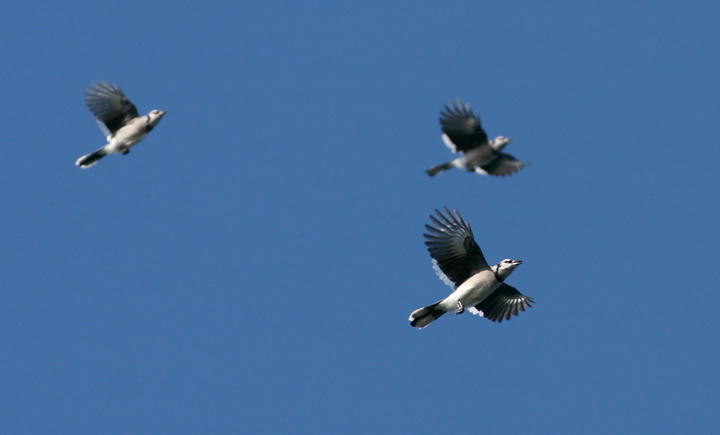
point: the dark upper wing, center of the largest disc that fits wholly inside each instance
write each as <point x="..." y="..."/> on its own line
<point x="462" y="127"/>
<point x="451" y="244"/>
<point x="502" y="165"/>
<point x="504" y="302"/>
<point x="109" y="105"/>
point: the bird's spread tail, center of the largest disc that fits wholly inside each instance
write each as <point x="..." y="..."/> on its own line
<point x="439" y="168"/>
<point x="90" y="159"/>
<point x="424" y="316"/>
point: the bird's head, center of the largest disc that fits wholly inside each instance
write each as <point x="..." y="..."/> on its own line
<point x="154" y="117"/>
<point x="505" y="267"/>
<point x="499" y="142"/>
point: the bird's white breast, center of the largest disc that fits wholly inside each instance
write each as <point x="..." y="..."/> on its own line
<point x="473" y="291"/>
<point x="129" y="135"/>
<point x="478" y="156"/>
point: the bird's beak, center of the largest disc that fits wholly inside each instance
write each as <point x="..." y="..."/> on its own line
<point x="163" y="113"/>
<point x="518" y="261"/>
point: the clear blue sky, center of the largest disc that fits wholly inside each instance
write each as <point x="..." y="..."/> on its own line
<point x="251" y="266"/>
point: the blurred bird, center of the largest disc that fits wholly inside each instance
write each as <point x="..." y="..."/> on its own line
<point x="463" y="134"/>
<point x="458" y="261"/>
<point x="118" y="118"/>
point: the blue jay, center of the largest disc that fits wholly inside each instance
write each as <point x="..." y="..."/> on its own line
<point x="458" y="261"/>
<point x="463" y="134"/>
<point x="118" y="118"/>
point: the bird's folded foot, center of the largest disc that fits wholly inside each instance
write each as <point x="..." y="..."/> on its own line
<point x="460" y="308"/>
<point x="125" y="151"/>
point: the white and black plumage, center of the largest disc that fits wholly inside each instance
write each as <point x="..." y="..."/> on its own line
<point x="463" y="134"/>
<point x="458" y="261"/>
<point x="118" y="118"/>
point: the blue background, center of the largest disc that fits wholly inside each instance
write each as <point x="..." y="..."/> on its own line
<point x="250" y="267"/>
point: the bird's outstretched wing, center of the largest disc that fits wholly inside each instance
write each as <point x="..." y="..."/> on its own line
<point x="451" y="244"/>
<point x="502" y="165"/>
<point x="109" y="105"/>
<point x="504" y="302"/>
<point x="461" y="128"/>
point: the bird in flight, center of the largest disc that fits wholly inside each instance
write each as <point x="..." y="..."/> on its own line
<point x="477" y="287"/>
<point x="463" y="134"/>
<point x="118" y="118"/>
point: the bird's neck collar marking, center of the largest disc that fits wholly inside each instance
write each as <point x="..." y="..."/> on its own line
<point x="497" y="276"/>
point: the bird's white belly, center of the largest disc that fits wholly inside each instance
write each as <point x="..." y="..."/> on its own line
<point x="472" y="291"/>
<point x="124" y="139"/>
<point x="475" y="157"/>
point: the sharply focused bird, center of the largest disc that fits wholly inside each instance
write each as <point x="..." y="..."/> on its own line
<point x="458" y="261"/>
<point x="118" y="118"/>
<point x="463" y="134"/>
